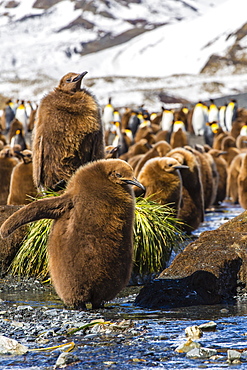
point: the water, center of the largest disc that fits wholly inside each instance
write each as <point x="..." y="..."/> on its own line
<point x="155" y="335"/>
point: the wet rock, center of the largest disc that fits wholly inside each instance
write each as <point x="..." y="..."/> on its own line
<point x="201" y="352"/>
<point x="210" y="270"/>
<point x="244" y="354"/>
<point x="10" y="346"/>
<point x="65" y="359"/>
<point x="233" y="355"/>
<point x="9" y="246"/>
<point x="193" y="332"/>
<point x="196" y="289"/>
<point x="188" y="346"/>
<point x="208" y="326"/>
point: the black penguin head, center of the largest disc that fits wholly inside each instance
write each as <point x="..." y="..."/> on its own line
<point x="71" y="82"/>
<point x="120" y="172"/>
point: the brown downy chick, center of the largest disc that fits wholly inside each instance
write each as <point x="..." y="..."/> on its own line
<point x="7" y="162"/>
<point x="90" y="247"/>
<point x="221" y="166"/>
<point x="68" y="132"/>
<point x="192" y="209"/>
<point x="22" y="188"/>
<point x="162" y="181"/>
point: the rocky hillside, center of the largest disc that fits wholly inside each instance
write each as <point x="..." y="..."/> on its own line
<point x="139" y="51"/>
<point x="235" y="56"/>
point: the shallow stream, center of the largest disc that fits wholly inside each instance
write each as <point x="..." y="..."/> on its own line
<point x="144" y="339"/>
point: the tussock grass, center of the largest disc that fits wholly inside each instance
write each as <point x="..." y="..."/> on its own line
<point x="156" y="234"/>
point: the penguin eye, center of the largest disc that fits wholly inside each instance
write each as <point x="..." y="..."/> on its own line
<point x="115" y="174"/>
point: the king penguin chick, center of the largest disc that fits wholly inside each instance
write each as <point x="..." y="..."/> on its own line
<point x="221" y="166"/>
<point x="22" y="188"/>
<point x="7" y="162"/>
<point x="159" y="149"/>
<point x="209" y="175"/>
<point x="228" y="145"/>
<point x="232" y="177"/>
<point x="162" y="181"/>
<point x="68" y="132"/>
<point x="242" y="183"/>
<point x="192" y="209"/>
<point x="90" y="260"/>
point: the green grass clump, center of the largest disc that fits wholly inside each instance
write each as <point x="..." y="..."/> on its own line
<point x="156" y="234"/>
<point x="31" y="258"/>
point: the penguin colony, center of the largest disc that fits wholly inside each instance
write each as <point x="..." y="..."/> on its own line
<point x="190" y="159"/>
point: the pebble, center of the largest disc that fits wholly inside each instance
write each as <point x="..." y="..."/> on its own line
<point x="208" y="326"/>
<point x="188" y="346"/>
<point x="201" y="352"/>
<point x="224" y="310"/>
<point x="244" y="354"/>
<point x="65" y="359"/>
<point x="232" y="355"/>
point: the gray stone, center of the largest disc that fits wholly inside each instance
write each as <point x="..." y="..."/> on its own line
<point x="232" y="354"/>
<point x="244" y="354"/>
<point x="201" y="352"/>
<point x="65" y="358"/>
<point x="208" y="326"/>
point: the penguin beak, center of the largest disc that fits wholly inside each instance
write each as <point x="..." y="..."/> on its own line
<point x="19" y="153"/>
<point x="79" y="77"/>
<point x="221" y="153"/>
<point x="179" y="167"/>
<point x="134" y="182"/>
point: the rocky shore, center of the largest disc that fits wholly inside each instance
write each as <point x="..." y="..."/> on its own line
<point x="46" y="335"/>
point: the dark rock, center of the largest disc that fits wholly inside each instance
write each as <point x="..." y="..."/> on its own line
<point x="197" y="289"/>
<point x="79" y="22"/>
<point x="212" y="269"/>
<point x="44" y="4"/>
<point x="9" y="246"/>
<point x="12" y="4"/>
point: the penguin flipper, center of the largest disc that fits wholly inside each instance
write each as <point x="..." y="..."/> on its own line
<point x="50" y="208"/>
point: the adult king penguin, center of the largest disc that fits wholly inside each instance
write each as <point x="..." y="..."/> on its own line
<point x="68" y="132"/>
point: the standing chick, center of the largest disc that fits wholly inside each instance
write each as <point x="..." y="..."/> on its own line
<point x="21" y="184"/>
<point x="192" y="209"/>
<point x="162" y="181"/>
<point x="90" y="246"/>
<point x="7" y="163"/>
<point x="242" y="183"/>
<point x="68" y="132"/>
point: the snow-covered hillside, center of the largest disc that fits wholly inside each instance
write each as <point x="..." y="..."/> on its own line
<point x="133" y="50"/>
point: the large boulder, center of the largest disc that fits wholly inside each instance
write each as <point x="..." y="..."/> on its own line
<point x="9" y="246"/>
<point x="210" y="270"/>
